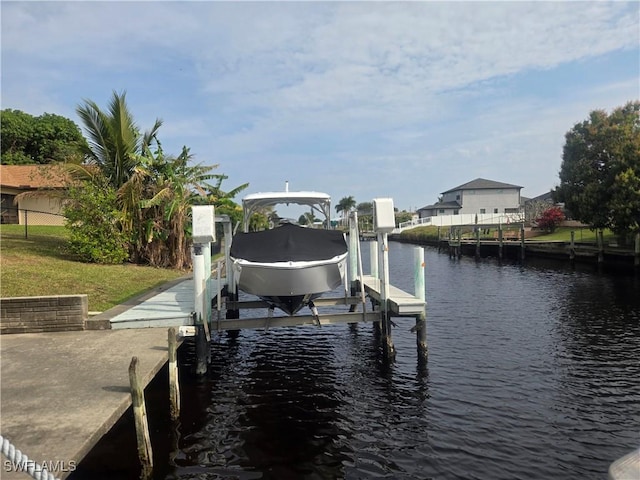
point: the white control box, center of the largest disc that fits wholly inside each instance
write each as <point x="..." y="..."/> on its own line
<point x="384" y="218"/>
<point x="204" y="223"/>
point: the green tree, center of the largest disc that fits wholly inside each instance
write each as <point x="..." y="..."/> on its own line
<point x="154" y="190"/>
<point x="115" y="142"/>
<point x="223" y="200"/>
<point x="345" y="205"/>
<point x="93" y="220"/>
<point x="600" y="171"/>
<point x="365" y="208"/>
<point x="401" y="217"/>
<point x="165" y="187"/>
<point x="307" y="218"/>
<point x="45" y="139"/>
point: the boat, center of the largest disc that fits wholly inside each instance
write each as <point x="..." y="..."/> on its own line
<point x="289" y="265"/>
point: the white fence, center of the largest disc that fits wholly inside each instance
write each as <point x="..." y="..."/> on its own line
<point x="463" y="219"/>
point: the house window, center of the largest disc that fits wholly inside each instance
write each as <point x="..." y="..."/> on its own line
<point x="441" y="210"/>
<point x="483" y="210"/>
<point x="495" y="210"/>
<point x="458" y="197"/>
<point x="455" y="212"/>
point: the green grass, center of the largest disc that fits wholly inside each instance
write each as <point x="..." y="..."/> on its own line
<point x="40" y="265"/>
<point x="581" y="235"/>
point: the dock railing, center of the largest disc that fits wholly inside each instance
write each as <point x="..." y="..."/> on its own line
<point x="462" y="219"/>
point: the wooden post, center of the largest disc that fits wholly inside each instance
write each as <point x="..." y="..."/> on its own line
<point x="140" y="415"/>
<point x="384" y="283"/>
<point x="174" y="385"/>
<point x="572" y="247"/>
<point x="500" y="242"/>
<point x="419" y="292"/>
<point x="600" y="247"/>
<point x="477" y="241"/>
<point x="201" y="349"/>
<point x="522" y="242"/>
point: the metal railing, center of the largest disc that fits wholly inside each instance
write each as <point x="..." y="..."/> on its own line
<point x="462" y="219"/>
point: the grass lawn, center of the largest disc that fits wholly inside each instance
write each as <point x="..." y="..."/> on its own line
<point x="581" y="235"/>
<point x="40" y="265"/>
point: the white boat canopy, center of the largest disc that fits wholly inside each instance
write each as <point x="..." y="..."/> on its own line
<point x="318" y="201"/>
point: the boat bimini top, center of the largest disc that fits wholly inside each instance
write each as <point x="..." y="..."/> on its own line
<point x="319" y="202"/>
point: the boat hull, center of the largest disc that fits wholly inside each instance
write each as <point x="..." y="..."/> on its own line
<point x="289" y="285"/>
<point x="289" y="265"/>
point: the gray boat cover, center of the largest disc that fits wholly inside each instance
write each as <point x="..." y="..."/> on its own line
<point x="288" y="243"/>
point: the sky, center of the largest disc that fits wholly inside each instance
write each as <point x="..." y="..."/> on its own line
<point x="364" y="99"/>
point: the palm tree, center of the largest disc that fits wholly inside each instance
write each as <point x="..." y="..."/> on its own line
<point x="154" y="191"/>
<point x="222" y="200"/>
<point x="115" y="143"/>
<point x="345" y="205"/>
<point x="165" y="187"/>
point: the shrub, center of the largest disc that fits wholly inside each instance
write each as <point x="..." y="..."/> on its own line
<point x="93" y="221"/>
<point x="550" y="219"/>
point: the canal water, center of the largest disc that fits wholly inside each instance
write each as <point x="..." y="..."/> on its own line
<point x="533" y="373"/>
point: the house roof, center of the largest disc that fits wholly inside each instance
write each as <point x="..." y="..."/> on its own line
<point x="30" y="177"/>
<point x="548" y="196"/>
<point x="443" y="205"/>
<point x="480" y="184"/>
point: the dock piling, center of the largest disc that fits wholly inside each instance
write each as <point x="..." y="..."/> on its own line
<point x="201" y="349"/>
<point x="140" y="417"/>
<point x="600" y="237"/>
<point x="572" y="247"/>
<point x="419" y="292"/>
<point x="174" y="386"/>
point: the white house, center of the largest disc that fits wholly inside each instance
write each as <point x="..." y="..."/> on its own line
<point x="479" y="196"/>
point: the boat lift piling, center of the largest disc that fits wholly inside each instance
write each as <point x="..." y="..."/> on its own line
<point x="204" y="233"/>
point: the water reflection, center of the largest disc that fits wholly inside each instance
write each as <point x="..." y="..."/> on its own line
<point x="533" y="373"/>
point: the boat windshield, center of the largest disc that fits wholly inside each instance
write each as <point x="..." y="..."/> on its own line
<point x="319" y="202"/>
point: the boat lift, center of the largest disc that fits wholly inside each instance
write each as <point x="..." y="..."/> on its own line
<point x="217" y="306"/>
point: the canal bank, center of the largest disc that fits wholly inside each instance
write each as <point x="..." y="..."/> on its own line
<point x="606" y="257"/>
